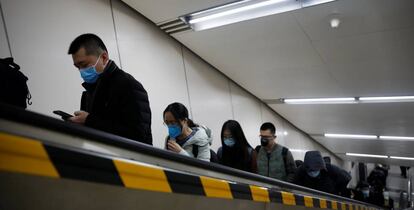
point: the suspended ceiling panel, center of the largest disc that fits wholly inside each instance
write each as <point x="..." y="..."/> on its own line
<point x="297" y="54"/>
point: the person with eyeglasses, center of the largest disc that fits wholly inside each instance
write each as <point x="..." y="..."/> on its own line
<point x="273" y="159"/>
<point x="184" y="136"/>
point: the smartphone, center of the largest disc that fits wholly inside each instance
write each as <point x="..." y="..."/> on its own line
<point x="63" y="114"/>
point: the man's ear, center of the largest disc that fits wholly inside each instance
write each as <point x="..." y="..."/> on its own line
<point x="105" y="57"/>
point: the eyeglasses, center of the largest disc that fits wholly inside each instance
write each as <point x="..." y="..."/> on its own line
<point x="167" y="123"/>
<point x="267" y="137"/>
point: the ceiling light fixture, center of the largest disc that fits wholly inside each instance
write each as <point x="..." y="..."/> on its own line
<point x="244" y="10"/>
<point x="319" y="100"/>
<point x="309" y="3"/>
<point x="344" y="100"/>
<point x="350" y="136"/>
<point x="397" y="137"/>
<point x="401" y="158"/>
<point x="335" y="22"/>
<point x="387" y="99"/>
<point x="366" y="155"/>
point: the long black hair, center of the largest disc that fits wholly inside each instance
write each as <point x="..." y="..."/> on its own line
<point x="180" y="112"/>
<point x="232" y="156"/>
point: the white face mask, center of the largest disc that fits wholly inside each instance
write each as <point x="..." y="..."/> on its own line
<point x="313" y="174"/>
<point x="365" y="193"/>
<point x="386" y="195"/>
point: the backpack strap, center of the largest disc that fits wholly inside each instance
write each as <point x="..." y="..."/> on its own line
<point x="213" y="157"/>
<point x="250" y="152"/>
<point x="10" y="63"/>
<point x="195" y="150"/>
<point x="220" y="153"/>
<point x="258" y="148"/>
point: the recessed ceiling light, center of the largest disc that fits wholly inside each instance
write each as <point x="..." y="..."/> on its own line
<point x="397" y="137"/>
<point x="349" y="136"/>
<point x="366" y="155"/>
<point x="285" y="133"/>
<point x="335" y="22"/>
<point x="402" y="158"/>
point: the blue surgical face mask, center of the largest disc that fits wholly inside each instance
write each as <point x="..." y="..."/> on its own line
<point x="313" y="174"/>
<point x="174" y="131"/>
<point x="229" y="142"/>
<point x="89" y="74"/>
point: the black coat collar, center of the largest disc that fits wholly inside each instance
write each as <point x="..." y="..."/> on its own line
<point x="109" y="69"/>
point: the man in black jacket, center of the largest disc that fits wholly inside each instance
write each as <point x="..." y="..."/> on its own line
<point x="113" y="101"/>
<point x="315" y="174"/>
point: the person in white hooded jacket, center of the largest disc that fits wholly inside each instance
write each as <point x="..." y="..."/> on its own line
<point x="185" y="137"/>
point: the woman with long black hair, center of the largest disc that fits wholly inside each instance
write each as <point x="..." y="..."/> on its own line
<point x="235" y="151"/>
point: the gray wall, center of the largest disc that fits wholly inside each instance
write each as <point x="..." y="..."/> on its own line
<point x="40" y="32"/>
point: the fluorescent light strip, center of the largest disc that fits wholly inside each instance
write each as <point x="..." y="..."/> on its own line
<point x="309" y="3"/>
<point x="244" y="10"/>
<point x="351" y="136"/>
<point x="366" y="155"/>
<point x="234" y="11"/>
<point x="318" y="100"/>
<point x="402" y="158"/>
<point x="397" y="137"/>
<point x="219" y="7"/>
<point x="387" y="98"/>
<point x="348" y="100"/>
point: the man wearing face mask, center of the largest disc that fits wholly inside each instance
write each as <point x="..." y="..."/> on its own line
<point x="315" y="174"/>
<point x="362" y="192"/>
<point x="274" y="160"/>
<point x="113" y="101"/>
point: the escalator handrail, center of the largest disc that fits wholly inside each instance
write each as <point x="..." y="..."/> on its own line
<point x="19" y="115"/>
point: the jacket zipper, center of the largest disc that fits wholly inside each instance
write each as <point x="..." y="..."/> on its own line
<point x="268" y="166"/>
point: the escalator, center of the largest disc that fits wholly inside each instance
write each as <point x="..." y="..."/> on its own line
<point x="46" y="163"/>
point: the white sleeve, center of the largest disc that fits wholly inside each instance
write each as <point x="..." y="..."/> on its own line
<point x="204" y="153"/>
<point x="183" y="152"/>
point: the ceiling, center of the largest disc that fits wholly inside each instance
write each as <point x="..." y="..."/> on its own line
<point x="298" y="55"/>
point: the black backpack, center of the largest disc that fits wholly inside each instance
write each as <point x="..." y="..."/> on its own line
<point x="13" y="84"/>
<point x="284" y="154"/>
<point x="213" y="155"/>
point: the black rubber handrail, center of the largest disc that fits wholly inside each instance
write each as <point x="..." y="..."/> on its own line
<point x="16" y="114"/>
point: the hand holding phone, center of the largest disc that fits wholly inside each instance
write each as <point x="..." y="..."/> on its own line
<point x="65" y="116"/>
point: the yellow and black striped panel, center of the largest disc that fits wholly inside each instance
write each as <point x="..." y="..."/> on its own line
<point x="25" y="155"/>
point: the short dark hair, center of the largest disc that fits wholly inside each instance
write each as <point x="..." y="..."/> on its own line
<point x="91" y="42"/>
<point x="268" y="126"/>
<point x="327" y="159"/>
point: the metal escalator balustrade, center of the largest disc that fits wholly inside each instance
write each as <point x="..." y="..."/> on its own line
<point x="20" y="154"/>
